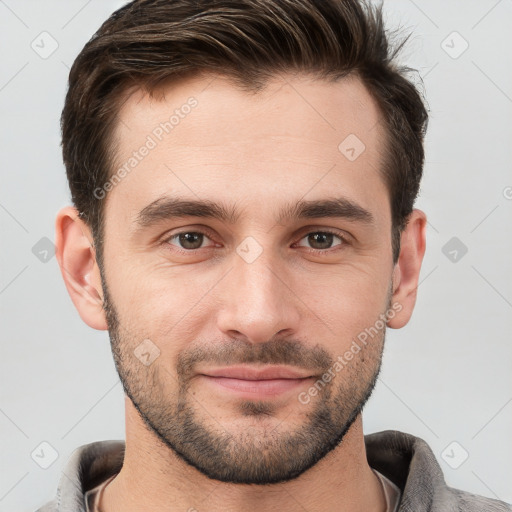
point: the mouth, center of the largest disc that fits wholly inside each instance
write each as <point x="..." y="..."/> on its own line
<point x="253" y="382"/>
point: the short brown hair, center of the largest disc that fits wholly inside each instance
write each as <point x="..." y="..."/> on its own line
<point x="148" y="43"/>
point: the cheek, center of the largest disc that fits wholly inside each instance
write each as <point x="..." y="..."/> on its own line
<point x="162" y="305"/>
<point x="347" y="302"/>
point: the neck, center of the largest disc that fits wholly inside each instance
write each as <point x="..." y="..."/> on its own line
<point x="154" y="478"/>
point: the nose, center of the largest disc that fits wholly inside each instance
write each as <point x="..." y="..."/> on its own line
<point x="258" y="301"/>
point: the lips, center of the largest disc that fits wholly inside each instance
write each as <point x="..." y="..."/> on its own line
<point x="252" y="373"/>
<point x="253" y="382"/>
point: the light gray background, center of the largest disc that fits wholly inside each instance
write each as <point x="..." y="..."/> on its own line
<point x="446" y="376"/>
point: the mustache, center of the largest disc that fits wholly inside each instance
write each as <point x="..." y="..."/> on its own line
<point x="314" y="359"/>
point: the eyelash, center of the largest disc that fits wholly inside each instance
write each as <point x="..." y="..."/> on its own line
<point x="344" y="241"/>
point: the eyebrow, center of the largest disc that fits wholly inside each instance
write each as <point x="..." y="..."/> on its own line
<point x="167" y="207"/>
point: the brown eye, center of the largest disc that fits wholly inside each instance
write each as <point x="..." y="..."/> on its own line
<point x="322" y="240"/>
<point x="191" y="240"/>
<point x="187" y="240"/>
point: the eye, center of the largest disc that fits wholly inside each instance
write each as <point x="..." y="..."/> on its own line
<point x="187" y="240"/>
<point x="323" y="240"/>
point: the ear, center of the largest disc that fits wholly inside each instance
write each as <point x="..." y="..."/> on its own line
<point x="407" y="269"/>
<point x="76" y="255"/>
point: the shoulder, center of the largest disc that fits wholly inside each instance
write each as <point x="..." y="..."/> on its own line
<point x="409" y="462"/>
<point x="51" y="506"/>
<point x="475" y="503"/>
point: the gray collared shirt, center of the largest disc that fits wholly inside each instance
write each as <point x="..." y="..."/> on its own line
<point x="405" y="459"/>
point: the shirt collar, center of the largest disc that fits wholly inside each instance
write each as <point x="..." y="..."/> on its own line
<point x="405" y="459"/>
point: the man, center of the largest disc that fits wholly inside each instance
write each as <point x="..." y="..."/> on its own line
<point x="243" y="177"/>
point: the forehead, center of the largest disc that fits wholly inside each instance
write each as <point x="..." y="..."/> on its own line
<point x="207" y="137"/>
<point x="289" y="104"/>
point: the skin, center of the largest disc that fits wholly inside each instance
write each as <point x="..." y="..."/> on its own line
<point x="209" y="307"/>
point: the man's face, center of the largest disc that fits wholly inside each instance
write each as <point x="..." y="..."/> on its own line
<point x="190" y="295"/>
